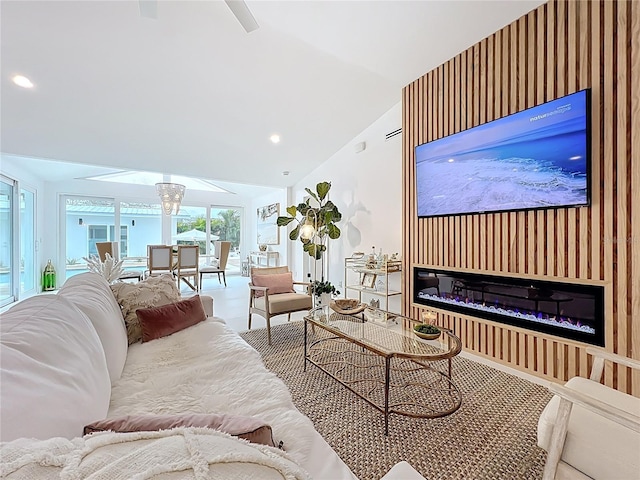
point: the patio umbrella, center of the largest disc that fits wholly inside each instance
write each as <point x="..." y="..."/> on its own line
<point x="194" y="236"/>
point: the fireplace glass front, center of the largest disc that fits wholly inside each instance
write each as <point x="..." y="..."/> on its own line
<point x="570" y="310"/>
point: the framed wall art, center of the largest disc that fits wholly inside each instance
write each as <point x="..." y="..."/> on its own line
<point x="268" y="231"/>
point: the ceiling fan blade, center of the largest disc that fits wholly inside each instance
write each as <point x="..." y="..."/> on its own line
<point x="243" y="14"/>
<point x="148" y="8"/>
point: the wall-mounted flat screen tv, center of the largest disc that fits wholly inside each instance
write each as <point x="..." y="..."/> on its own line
<point x="536" y="158"/>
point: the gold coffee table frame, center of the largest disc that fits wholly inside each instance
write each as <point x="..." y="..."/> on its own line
<point x="384" y="363"/>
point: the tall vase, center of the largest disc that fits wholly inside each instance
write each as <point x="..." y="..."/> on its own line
<point x="323" y="300"/>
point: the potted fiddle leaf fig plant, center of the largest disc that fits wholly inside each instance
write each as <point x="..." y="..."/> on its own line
<point x="315" y="223"/>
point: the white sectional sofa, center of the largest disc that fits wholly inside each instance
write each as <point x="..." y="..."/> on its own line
<point x="66" y="363"/>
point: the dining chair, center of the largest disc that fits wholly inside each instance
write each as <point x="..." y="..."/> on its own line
<point x="222" y="252"/>
<point x="107" y="247"/>
<point x="159" y="260"/>
<point x="112" y="249"/>
<point x="187" y="265"/>
<point x="271" y="293"/>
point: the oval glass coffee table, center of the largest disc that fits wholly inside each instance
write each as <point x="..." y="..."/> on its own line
<point x="384" y="362"/>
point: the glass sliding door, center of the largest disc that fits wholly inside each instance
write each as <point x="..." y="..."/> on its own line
<point x="189" y="227"/>
<point x="226" y="224"/>
<point x="140" y="225"/>
<point x="28" y="275"/>
<point x="7" y="229"/>
<point x="88" y="220"/>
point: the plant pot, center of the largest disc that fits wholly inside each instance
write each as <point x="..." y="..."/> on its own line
<point x="323" y="300"/>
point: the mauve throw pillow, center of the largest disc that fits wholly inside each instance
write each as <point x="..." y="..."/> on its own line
<point x="249" y="428"/>
<point x="157" y="322"/>
<point x="275" y="282"/>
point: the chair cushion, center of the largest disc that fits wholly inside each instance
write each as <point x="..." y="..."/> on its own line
<point x="210" y="269"/>
<point x="594" y="445"/>
<point x="249" y="428"/>
<point x="286" y="302"/>
<point x="276" y="283"/>
<point x="158" y="322"/>
<point x="151" y="292"/>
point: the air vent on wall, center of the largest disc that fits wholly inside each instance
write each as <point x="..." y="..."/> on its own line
<point x="392" y="134"/>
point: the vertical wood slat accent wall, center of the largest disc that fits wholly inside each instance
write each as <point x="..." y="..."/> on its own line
<point x="557" y="49"/>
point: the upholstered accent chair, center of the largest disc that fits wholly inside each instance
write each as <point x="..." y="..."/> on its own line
<point x="271" y="293"/>
<point x="187" y="265"/>
<point x="590" y="430"/>
<point x="222" y="252"/>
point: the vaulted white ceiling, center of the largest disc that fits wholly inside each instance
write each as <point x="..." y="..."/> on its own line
<point x="192" y="93"/>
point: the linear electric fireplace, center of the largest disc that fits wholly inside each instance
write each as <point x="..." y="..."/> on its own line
<point x="569" y="310"/>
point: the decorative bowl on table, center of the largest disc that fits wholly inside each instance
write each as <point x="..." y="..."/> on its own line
<point x="426" y="331"/>
<point x="347" y="306"/>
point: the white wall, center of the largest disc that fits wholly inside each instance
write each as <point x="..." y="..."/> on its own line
<point x="367" y="189"/>
<point x="280" y="197"/>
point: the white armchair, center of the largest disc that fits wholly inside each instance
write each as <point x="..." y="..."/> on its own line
<point x="589" y="430"/>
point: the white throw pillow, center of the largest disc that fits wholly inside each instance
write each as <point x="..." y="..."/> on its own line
<point x="54" y="374"/>
<point x="152" y="292"/>
<point x="90" y="292"/>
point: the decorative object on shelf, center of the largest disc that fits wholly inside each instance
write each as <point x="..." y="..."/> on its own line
<point x="426" y="332"/>
<point x="262" y="247"/>
<point x="268" y="233"/>
<point x="49" y="277"/>
<point x="372" y="259"/>
<point x="357" y="255"/>
<point x="374" y="303"/>
<point x="376" y="315"/>
<point x="245" y="267"/>
<point x="110" y="269"/>
<point x="171" y="195"/>
<point x="347" y="306"/>
<point x="316" y="224"/>
<point x="368" y="280"/>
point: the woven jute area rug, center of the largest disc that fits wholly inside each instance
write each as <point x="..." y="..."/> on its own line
<point x="492" y="435"/>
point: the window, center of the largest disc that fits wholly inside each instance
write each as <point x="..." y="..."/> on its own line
<point x="7" y="229"/>
<point x="87" y="222"/>
<point x="106" y="233"/>
<point x="226" y="224"/>
<point x="18" y="276"/>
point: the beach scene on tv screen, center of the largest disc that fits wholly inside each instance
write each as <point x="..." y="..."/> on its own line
<point x="536" y="158"/>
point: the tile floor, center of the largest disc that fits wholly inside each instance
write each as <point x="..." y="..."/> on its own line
<point x="232" y="303"/>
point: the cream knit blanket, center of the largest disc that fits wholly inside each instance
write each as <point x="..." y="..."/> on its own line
<point x="181" y="453"/>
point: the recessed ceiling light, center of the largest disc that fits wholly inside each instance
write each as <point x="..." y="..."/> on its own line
<point x="275" y="138"/>
<point x="285" y="173"/>
<point x="22" y="81"/>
